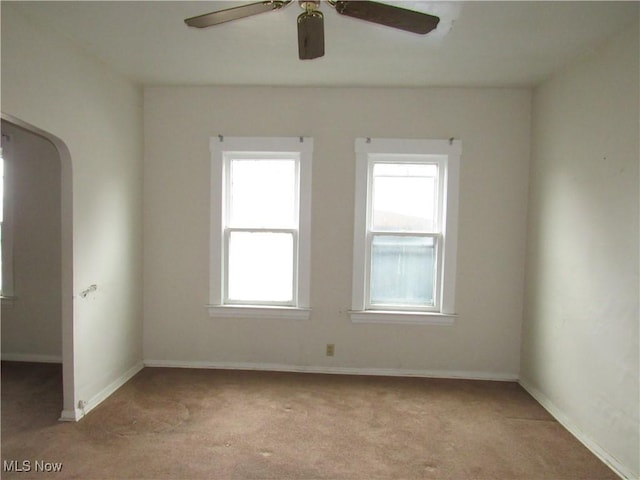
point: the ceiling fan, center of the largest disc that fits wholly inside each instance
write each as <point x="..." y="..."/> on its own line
<point x="311" y="21"/>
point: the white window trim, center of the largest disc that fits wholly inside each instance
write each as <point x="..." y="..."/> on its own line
<point x="366" y="148"/>
<point x="218" y="146"/>
<point x="253" y="311"/>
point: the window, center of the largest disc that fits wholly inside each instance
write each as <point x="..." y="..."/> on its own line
<point x="6" y="228"/>
<point x="405" y="236"/>
<point x="260" y="227"/>
<point x="2" y="224"/>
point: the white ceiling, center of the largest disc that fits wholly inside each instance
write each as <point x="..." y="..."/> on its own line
<point x="476" y="44"/>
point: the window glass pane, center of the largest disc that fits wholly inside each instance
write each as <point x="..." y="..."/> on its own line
<point x="263" y="193"/>
<point x="404" y="197"/>
<point x="261" y="267"/>
<point x="402" y="270"/>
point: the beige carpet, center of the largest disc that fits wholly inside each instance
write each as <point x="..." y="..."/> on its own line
<point x="213" y="424"/>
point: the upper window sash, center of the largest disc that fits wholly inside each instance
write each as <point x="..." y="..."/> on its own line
<point x="440" y="161"/>
<point x="228" y="160"/>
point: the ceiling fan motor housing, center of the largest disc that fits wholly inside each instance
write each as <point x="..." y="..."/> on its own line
<point x="309" y="5"/>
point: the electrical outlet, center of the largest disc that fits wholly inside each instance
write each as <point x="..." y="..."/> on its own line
<point x="81" y="404"/>
<point x="331" y="348"/>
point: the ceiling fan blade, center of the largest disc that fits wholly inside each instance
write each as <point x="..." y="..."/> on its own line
<point x="229" y="14"/>
<point x="310" y="35"/>
<point x="389" y="15"/>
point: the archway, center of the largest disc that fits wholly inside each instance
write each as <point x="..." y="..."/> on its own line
<point x="66" y="263"/>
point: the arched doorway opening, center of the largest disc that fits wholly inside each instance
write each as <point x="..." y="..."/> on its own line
<point x="39" y="161"/>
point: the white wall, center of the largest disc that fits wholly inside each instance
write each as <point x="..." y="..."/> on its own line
<point x="493" y="125"/>
<point x="580" y="335"/>
<point x="32" y="321"/>
<point x="95" y="117"/>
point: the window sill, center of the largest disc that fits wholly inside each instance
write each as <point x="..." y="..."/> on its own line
<point x="249" y="311"/>
<point x="401" y="317"/>
<point x="8" y="300"/>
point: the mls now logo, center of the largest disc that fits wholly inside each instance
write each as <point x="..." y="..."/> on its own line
<point x="28" y="466"/>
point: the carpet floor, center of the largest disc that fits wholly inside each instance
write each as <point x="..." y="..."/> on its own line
<point x="217" y="424"/>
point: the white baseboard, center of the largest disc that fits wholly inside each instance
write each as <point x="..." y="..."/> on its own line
<point x="385" y="372"/>
<point x="70" y="415"/>
<point x="101" y="396"/>
<point x="29" y="357"/>
<point x="620" y="470"/>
